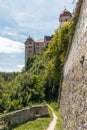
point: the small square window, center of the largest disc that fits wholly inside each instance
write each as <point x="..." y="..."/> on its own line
<point x="37" y="43"/>
<point x="30" y="51"/>
<point x="30" y="46"/>
<point x="66" y="20"/>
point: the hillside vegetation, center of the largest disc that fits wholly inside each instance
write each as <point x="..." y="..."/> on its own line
<point x="40" y="80"/>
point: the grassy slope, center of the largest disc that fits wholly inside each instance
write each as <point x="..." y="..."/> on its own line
<point x="42" y="123"/>
<point x="38" y="124"/>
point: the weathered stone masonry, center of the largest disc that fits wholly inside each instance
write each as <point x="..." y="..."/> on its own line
<point x="23" y="115"/>
<point x="73" y="104"/>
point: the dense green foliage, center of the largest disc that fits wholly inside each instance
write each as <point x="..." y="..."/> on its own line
<point x="4" y="79"/>
<point x="40" y="80"/>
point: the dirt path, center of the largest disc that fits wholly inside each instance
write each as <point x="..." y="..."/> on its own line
<point x="54" y="121"/>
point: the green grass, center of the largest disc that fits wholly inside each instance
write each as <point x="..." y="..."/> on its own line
<point x="38" y="124"/>
<point x="42" y="123"/>
<point x="54" y="105"/>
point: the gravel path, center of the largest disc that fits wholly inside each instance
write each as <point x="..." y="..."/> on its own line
<point x="54" y="121"/>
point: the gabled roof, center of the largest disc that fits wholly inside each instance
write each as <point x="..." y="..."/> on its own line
<point x="65" y="13"/>
<point x="29" y="39"/>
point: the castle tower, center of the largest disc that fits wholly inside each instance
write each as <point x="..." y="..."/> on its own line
<point x="29" y="48"/>
<point x="65" y="16"/>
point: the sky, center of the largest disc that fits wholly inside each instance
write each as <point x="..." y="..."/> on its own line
<point x="21" y="18"/>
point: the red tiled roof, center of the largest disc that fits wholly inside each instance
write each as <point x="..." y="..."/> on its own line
<point x="65" y="13"/>
<point x="40" y="40"/>
<point x="29" y="39"/>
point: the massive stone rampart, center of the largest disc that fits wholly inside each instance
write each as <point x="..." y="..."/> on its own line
<point x="73" y="103"/>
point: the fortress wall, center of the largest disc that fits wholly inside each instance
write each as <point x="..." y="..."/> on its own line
<point x="73" y="103"/>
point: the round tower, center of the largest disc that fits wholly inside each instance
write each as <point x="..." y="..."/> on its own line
<point x="65" y="16"/>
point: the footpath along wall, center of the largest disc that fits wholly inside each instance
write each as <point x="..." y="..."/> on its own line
<point x="73" y="103"/>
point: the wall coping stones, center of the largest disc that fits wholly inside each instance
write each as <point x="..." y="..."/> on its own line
<point x="20" y="116"/>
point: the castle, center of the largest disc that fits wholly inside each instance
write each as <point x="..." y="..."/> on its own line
<point x="34" y="47"/>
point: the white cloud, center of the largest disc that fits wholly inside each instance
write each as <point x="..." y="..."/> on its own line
<point x="24" y="19"/>
<point x="17" y="69"/>
<point x="9" y="31"/>
<point x="20" y="16"/>
<point x="12" y="34"/>
<point x="20" y="67"/>
<point x="9" y="46"/>
<point x="2" y="69"/>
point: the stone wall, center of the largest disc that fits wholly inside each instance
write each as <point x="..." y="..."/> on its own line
<point x="21" y="116"/>
<point x="73" y="103"/>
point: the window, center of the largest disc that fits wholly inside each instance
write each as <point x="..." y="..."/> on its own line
<point x="30" y="46"/>
<point x="66" y="20"/>
<point x="37" y="47"/>
<point x="37" y="43"/>
<point x="30" y="51"/>
<point x="30" y="42"/>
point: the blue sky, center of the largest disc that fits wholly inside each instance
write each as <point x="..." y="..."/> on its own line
<point x="21" y="18"/>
